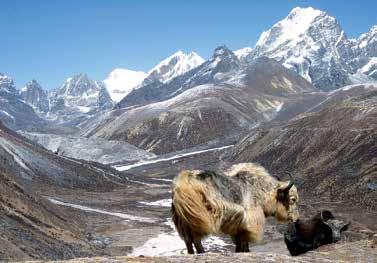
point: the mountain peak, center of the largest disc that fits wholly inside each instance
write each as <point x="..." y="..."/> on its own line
<point x="173" y="66"/>
<point x="312" y="43"/>
<point x="79" y="95"/>
<point x="222" y="51"/>
<point x="7" y="84"/>
<point x="34" y="95"/>
<point x="121" y="82"/>
<point x="32" y="84"/>
<point x="242" y="53"/>
<point x="301" y="11"/>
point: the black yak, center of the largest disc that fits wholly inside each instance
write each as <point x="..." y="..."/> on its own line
<point x="235" y="203"/>
<point x="305" y="235"/>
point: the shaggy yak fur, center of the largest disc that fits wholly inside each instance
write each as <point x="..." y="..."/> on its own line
<point x="305" y="235"/>
<point x="235" y="203"/>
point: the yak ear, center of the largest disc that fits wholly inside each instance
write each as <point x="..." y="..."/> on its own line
<point x="283" y="190"/>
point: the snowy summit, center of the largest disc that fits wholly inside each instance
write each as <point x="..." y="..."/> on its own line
<point x="173" y="66"/>
<point x="121" y="82"/>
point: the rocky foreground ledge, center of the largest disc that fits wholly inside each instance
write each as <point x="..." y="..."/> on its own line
<point x="360" y="251"/>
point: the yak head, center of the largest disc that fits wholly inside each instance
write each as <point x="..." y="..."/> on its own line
<point x="287" y="202"/>
<point x="305" y="235"/>
<point x="330" y="229"/>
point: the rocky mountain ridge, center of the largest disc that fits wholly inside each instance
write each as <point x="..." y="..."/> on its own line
<point x="313" y="43"/>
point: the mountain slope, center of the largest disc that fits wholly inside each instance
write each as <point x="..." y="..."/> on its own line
<point x="331" y="150"/>
<point x="33" y="165"/>
<point x="33" y="229"/>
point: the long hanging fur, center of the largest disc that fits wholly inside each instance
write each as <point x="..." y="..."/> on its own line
<point x="191" y="203"/>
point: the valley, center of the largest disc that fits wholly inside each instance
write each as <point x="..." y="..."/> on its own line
<point x="87" y="168"/>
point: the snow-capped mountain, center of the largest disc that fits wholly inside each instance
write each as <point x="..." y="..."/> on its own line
<point x="212" y="70"/>
<point x="7" y="84"/>
<point x="78" y="96"/>
<point x="242" y="53"/>
<point x="14" y="112"/>
<point x="307" y="40"/>
<point x="367" y="42"/>
<point x="366" y="50"/>
<point x="34" y="95"/>
<point x="120" y="82"/>
<point x="173" y="66"/>
<point x="312" y="43"/>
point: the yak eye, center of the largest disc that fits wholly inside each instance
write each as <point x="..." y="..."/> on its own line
<point x="293" y="200"/>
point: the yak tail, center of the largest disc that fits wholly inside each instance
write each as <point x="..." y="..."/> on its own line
<point x="192" y="205"/>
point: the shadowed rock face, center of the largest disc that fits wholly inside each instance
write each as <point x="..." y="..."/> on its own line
<point x="332" y="150"/>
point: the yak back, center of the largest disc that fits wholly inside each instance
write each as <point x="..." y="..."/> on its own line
<point x="227" y="187"/>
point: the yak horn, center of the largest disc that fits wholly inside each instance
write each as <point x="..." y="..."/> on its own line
<point x="291" y="181"/>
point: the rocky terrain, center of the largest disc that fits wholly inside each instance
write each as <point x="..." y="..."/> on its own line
<point x="33" y="228"/>
<point x="362" y="251"/>
<point x="331" y="149"/>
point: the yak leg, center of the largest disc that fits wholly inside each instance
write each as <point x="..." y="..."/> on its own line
<point x="242" y="244"/>
<point x="198" y="245"/>
<point x="245" y="246"/>
<point x="237" y="242"/>
<point x="190" y="248"/>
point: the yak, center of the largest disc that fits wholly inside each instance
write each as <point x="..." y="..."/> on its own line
<point x="235" y="202"/>
<point x="322" y="229"/>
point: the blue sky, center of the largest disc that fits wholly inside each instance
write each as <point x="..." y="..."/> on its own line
<point x="51" y="40"/>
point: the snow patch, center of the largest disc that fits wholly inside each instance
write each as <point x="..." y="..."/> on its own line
<point x="88" y="209"/>
<point x="6" y="114"/>
<point x="178" y="156"/>
<point x="170" y="244"/>
<point x="162" y="203"/>
<point x="243" y="52"/>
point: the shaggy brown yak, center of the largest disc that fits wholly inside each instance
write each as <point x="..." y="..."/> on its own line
<point x="235" y="203"/>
